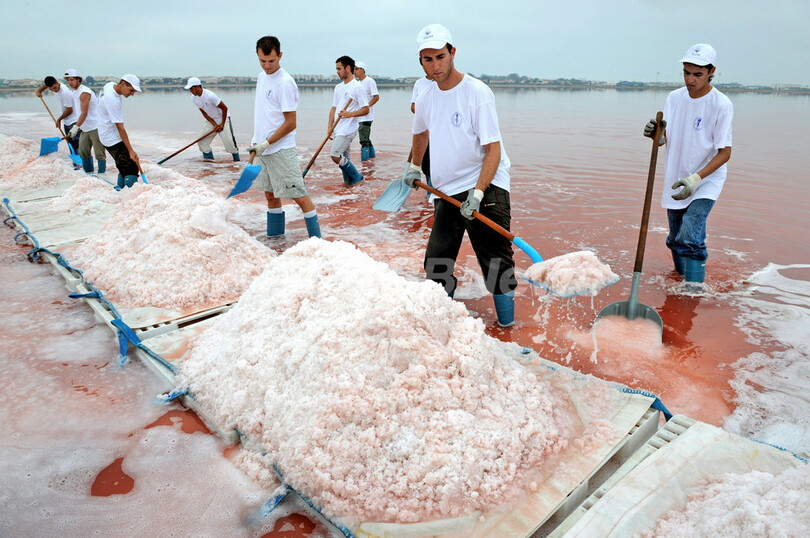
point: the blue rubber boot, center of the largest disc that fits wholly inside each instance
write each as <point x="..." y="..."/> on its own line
<point x="275" y="224"/>
<point x="350" y="174"/>
<point x="120" y="184"/>
<point x="678" y="261"/>
<point x="505" y="308"/>
<point x="694" y="270"/>
<point x="364" y="153"/>
<point x="87" y="164"/>
<point x="313" y="228"/>
<point x="130" y="180"/>
<point x="102" y="166"/>
<point x="208" y="155"/>
<point x="371" y="152"/>
<point x="235" y="157"/>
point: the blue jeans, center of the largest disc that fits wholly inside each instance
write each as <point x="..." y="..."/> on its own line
<point x="687" y="229"/>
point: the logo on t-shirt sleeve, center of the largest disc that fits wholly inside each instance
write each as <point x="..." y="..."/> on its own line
<point x="456" y="119"/>
<point x="698" y="124"/>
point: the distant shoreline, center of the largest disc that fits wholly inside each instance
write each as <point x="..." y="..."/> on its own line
<point x="623" y="86"/>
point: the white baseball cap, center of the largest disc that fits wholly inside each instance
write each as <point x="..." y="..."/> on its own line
<point x="134" y="81"/>
<point x="700" y="55"/>
<point x="433" y="36"/>
<point x="71" y="73"/>
<point x="360" y="65"/>
<point x="192" y="81"/>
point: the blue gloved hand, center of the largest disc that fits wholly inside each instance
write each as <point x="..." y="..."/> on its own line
<point x="414" y="173"/>
<point x="259" y="148"/>
<point x="473" y="203"/>
<point x="688" y="184"/>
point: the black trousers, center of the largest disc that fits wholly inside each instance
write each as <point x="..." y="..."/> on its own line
<point x="494" y="251"/>
<point x="125" y="165"/>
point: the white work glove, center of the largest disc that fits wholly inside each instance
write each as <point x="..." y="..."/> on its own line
<point x="74" y="131"/>
<point x="473" y="203"/>
<point x="688" y="184"/>
<point x="414" y="173"/>
<point x="259" y="148"/>
<point x="649" y="130"/>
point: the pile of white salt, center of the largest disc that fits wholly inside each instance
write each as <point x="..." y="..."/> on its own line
<point x="379" y="398"/>
<point x="171" y="248"/>
<point x="571" y="274"/>
<point x="750" y="504"/>
<point x="87" y="191"/>
<point x="16" y="152"/>
<point x="21" y="168"/>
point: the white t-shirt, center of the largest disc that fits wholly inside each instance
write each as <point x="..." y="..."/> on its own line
<point x="461" y="121"/>
<point x="91" y="120"/>
<point x="209" y="103"/>
<point x="110" y="112"/>
<point x="275" y="94"/>
<point x="370" y="87"/>
<point x="343" y="92"/>
<point x="419" y="87"/>
<point x="65" y="99"/>
<point x="696" y="129"/>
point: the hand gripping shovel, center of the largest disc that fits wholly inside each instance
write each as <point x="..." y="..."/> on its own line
<point x="51" y="144"/>
<point x="181" y="150"/>
<point x="328" y="134"/>
<point x="632" y="309"/>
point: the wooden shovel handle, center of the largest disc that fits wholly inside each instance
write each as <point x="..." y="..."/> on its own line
<point x="645" y="216"/>
<point x="489" y="222"/>
<point x="184" y="148"/>
<point x="52" y="117"/>
<point x="328" y="134"/>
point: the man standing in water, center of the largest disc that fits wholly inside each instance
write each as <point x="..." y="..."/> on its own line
<point x="68" y="114"/>
<point x="347" y="127"/>
<point x="372" y="95"/>
<point x="217" y="120"/>
<point x="274" y="123"/>
<point x="86" y="126"/>
<point x="457" y="116"/>
<point x="697" y="122"/>
<point x="111" y="129"/>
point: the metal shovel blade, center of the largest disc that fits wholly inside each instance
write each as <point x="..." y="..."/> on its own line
<point x="632" y="309"/>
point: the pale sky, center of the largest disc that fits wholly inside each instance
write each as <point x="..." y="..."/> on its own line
<point x="758" y="42"/>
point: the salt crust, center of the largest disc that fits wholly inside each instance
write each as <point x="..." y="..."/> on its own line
<point x="171" y="248"/>
<point x="574" y="273"/>
<point x="21" y="167"/>
<point x="750" y="504"/>
<point x="88" y="190"/>
<point x="379" y="398"/>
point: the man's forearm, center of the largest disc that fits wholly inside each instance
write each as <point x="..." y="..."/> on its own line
<point x="419" y="145"/>
<point x="722" y="157"/>
<point x="492" y="158"/>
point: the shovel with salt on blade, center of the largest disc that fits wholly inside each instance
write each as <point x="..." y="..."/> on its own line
<point x="632" y="309"/>
<point x="518" y="242"/>
<point x="51" y="144"/>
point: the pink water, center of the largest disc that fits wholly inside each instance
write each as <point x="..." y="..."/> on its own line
<point x="578" y="177"/>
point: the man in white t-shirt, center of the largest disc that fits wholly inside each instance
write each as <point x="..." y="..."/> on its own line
<point x="217" y="120"/>
<point x="85" y="103"/>
<point x="347" y="127"/>
<point x="67" y="114"/>
<point x="697" y="122"/>
<point x="274" y="123"/>
<point x="457" y="116"/>
<point x="111" y="129"/>
<point x="372" y="96"/>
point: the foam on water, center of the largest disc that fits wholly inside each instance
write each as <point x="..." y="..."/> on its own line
<point x="772" y="388"/>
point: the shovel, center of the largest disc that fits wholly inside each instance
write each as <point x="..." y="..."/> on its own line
<point x="245" y="181"/>
<point x="184" y="148"/>
<point x="394" y="194"/>
<point x="632" y="309"/>
<point x="143" y="176"/>
<point x="51" y="144"/>
<point x="328" y="134"/>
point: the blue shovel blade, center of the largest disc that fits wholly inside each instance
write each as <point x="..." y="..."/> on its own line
<point x="246" y="179"/>
<point x="48" y="145"/>
<point x="393" y="196"/>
